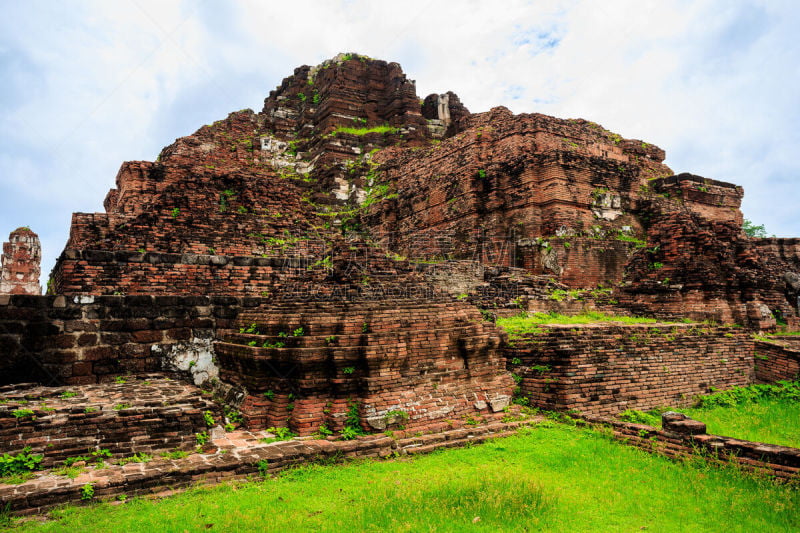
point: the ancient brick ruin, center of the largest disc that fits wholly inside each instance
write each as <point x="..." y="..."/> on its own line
<point x="332" y="263"/>
<point x="19" y="264"/>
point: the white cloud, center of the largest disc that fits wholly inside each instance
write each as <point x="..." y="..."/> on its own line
<point x="96" y="83"/>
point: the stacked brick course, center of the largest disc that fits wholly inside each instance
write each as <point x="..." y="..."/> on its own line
<point x="306" y="365"/>
<point x="778" y="359"/>
<point x="83" y="340"/>
<point x="698" y="262"/>
<point x="517" y="178"/>
<point x="241" y="460"/>
<point x="348" y="145"/>
<point x="605" y="369"/>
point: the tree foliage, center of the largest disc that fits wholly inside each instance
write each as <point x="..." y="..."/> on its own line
<point x="752" y="230"/>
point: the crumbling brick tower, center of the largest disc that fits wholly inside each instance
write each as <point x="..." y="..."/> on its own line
<point x="19" y="266"/>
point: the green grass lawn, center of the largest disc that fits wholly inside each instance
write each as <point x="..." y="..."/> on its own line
<point x="549" y="478"/>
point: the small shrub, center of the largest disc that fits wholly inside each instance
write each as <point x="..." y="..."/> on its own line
<point x="251" y="329"/>
<point x="21" y="463"/>
<point x="202" y="438"/>
<point x="69" y="471"/>
<point x="349" y="433"/>
<point x="323" y="431"/>
<point x="138" y="457"/>
<point x="281" y="434"/>
<point x="208" y="417"/>
<point x="348" y="370"/>
<point x="87" y="491"/>
<point x="263" y="468"/>
<point x="22" y="413"/>
<point x="352" y="422"/>
<point x="174" y="454"/>
<point x="67" y="394"/>
<point x="650" y="418"/>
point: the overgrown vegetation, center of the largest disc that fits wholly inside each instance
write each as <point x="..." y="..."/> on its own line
<point x="352" y="422"/>
<point x="364" y="131"/>
<point x="280" y="435"/>
<point x="530" y="323"/>
<point x="18" y="467"/>
<point x="551" y="478"/>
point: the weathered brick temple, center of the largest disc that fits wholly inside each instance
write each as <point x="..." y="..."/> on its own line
<point x="332" y="259"/>
<point x="19" y="264"/>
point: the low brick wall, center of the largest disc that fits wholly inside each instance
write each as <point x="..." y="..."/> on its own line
<point x="682" y="437"/>
<point x="145" y="414"/>
<point x="88" y="339"/>
<point x="775" y="362"/>
<point x="605" y="369"/>
<point x="423" y="359"/>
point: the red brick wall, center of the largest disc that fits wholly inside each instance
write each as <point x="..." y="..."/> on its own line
<point x="606" y="369"/>
<point x="775" y="362"/>
<point x="514" y="178"/>
<point x="90" y="339"/>
<point x="431" y="360"/>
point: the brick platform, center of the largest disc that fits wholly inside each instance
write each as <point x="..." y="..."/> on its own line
<point x="146" y="413"/>
<point x="234" y="456"/>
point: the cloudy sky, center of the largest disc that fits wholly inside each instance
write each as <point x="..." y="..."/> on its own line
<point x="87" y="85"/>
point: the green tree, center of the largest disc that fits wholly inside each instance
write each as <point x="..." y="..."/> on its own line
<point x="751" y="230"/>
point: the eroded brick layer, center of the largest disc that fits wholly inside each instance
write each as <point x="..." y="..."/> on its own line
<point x="699" y="263"/>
